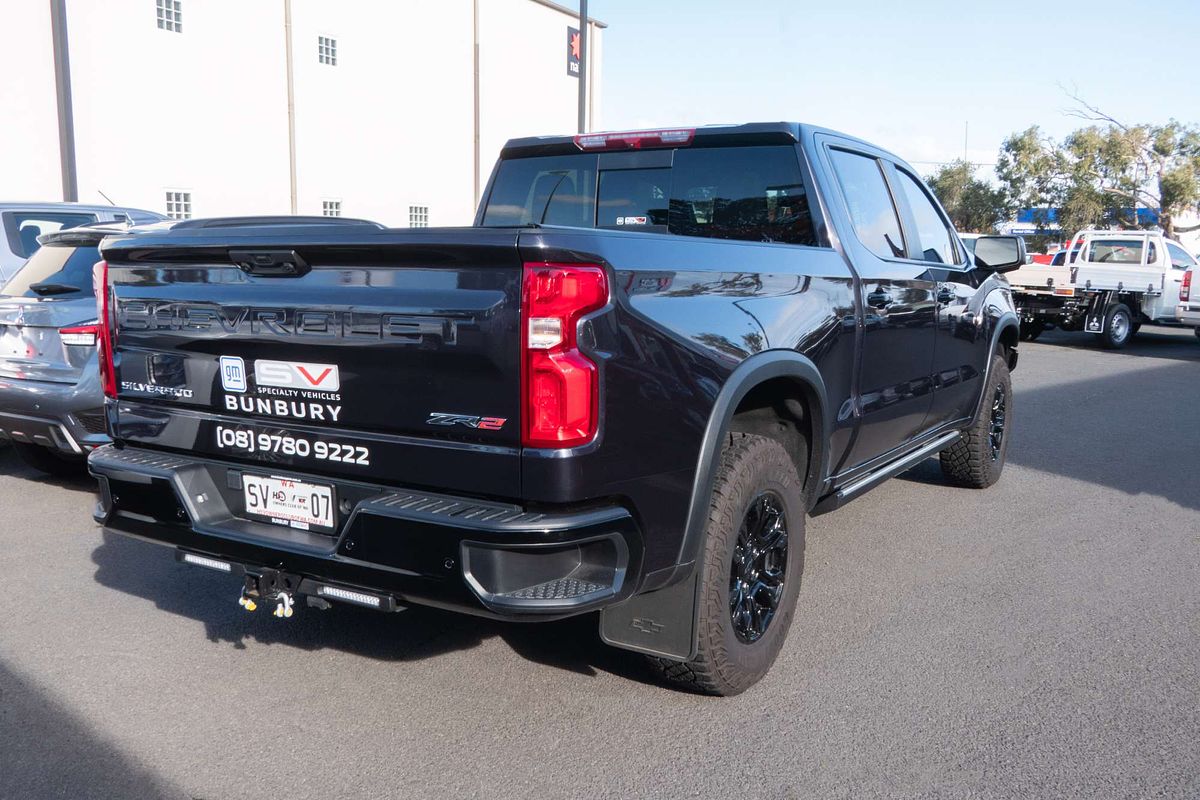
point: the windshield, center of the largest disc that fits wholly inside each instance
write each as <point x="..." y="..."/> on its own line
<point x="748" y="193"/>
<point x="56" y="271"/>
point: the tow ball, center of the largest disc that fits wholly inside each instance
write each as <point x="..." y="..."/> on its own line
<point x="272" y="587"/>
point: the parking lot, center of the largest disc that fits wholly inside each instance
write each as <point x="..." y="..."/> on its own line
<point x="1039" y="639"/>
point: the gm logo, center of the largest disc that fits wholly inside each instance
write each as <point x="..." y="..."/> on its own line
<point x="297" y="375"/>
<point x="233" y="374"/>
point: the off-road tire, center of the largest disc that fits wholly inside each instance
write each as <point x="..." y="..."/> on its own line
<point x="1115" y="340"/>
<point x="724" y="664"/>
<point x="971" y="461"/>
<point x="43" y="459"/>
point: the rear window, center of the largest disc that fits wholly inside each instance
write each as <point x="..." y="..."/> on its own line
<point x="1115" y="251"/>
<point x="23" y="227"/>
<point x="55" y="271"/>
<point x="748" y="193"/>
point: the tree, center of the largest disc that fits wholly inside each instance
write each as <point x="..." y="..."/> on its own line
<point x="1101" y="174"/>
<point x="973" y="205"/>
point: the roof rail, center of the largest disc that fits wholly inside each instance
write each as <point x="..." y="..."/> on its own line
<point x="244" y="222"/>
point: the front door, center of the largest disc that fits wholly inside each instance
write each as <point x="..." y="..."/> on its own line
<point x="961" y="348"/>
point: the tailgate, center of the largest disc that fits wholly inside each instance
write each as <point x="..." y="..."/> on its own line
<point x="392" y="358"/>
<point x="31" y="348"/>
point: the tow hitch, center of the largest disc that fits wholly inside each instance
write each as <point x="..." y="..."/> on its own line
<point x="270" y="587"/>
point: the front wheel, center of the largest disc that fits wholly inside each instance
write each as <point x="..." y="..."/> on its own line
<point x="1118" y="327"/>
<point x="750" y="574"/>
<point x="977" y="459"/>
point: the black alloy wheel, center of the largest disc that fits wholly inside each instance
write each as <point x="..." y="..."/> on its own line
<point x="759" y="567"/>
<point x="996" y="424"/>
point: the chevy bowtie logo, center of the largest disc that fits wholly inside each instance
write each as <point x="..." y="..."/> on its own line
<point x="645" y="625"/>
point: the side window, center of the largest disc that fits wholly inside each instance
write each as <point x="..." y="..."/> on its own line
<point x="1180" y="259"/>
<point x="869" y="203"/>
<point x="1151" y="254"/>
<point x="933" y="236"/>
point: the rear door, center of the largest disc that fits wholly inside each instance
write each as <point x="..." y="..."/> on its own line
<point x="392" y="359"/>
<point x="897" y="298"/>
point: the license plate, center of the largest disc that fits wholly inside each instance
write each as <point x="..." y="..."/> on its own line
<point x="289" y="502"/>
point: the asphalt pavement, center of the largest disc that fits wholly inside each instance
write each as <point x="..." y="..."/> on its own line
<point x="1038" y="639"/>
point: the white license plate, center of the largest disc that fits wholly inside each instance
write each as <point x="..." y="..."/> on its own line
<point x="288" y="502"/>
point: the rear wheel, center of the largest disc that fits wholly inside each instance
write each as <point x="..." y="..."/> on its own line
<point x="49" y="461"/>
<point x="1118" y="327"/>
<point x="750" y="575"/>
<point x="977" y="459"/>
<point x="1197" y="332"/>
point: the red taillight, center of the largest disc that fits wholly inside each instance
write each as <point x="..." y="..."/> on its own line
<point x="1185" y="288"/>
<point x="635" y="140"/>
<point x="560" y="385"/>
<point x="105" y="330"/>
<point x="79" y="335"/>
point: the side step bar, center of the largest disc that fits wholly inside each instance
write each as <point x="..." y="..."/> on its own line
<point x="869" y="481"/>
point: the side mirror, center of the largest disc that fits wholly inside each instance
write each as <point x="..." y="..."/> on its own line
<point x="1000" y="253"/>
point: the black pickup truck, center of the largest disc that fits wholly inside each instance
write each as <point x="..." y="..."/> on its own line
<point x="622" y="390"/>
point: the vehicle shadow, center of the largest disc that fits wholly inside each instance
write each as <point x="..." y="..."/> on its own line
<point x="11" y="464"/>
<point x="149" y="571"/>
<point x="1118" y="431"/>
<point x="46" y="751"/>
<point x="1152" y="341"/>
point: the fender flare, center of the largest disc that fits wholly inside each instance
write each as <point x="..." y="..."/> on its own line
<point x="1006" y="320"/>
<point x="662" y="620"/>
<point x="750" y="373"/>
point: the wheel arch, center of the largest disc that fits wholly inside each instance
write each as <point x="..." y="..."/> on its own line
<point x="765" y="374"/>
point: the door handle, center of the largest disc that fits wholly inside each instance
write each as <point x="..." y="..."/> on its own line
<point x="879" y="299"/>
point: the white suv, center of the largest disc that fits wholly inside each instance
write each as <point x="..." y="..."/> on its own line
<point x="1188" y="310"/>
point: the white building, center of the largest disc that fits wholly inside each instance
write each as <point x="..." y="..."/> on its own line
<point x="392" y="110"/>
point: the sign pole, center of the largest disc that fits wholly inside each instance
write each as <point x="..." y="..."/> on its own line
<point x="583" y="37"/>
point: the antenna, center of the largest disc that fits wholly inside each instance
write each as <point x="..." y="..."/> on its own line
<point x="106" y="197"/>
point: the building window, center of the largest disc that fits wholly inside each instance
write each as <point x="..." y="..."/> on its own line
<point x="418" y="216"/>
<point x="179" y="205"/>
<point x="331" y="208"/>
<point x="170" y="15"/>
<point x="327" y="50"/>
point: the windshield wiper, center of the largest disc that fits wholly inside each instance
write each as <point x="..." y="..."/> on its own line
<point x="46" y="289"/>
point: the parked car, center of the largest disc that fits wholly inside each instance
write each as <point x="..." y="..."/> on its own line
<point x="622" y="390"/>
<point x="22" y="224"/>
<point x="51" y="402"/>
<point x="1188" y="310"/>
<point x="1113" y="282"/>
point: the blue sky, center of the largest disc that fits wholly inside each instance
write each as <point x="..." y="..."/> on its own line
<point x="905" y="75"/>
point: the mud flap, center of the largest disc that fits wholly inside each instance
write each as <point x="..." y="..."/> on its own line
<point x="659" y="623"/>
<point x="1097" y="311"/>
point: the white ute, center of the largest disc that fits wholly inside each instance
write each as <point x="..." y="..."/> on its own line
<point x="1109" y="284"/>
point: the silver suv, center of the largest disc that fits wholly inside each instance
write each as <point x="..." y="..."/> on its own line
<point x="51" y="401"/>
<point x="22" y="223"/>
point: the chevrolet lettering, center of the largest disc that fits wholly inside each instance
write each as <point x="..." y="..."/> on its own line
<point x="623" y="390"/>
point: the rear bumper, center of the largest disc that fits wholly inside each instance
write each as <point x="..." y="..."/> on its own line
<point x="1188" y="315"/>
<point x="399" y="546"/>
<point x="65" y="417"/>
